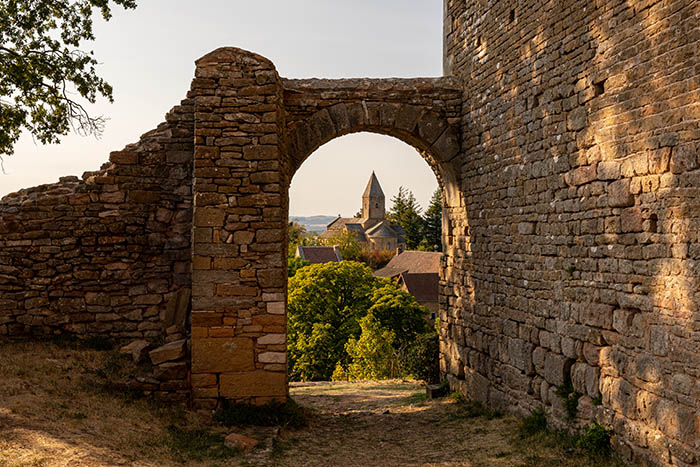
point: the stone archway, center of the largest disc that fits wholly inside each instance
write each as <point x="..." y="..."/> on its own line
<point x="252" y="132"/>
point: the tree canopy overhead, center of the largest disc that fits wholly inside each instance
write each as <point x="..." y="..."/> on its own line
<point x="43" y="70"/>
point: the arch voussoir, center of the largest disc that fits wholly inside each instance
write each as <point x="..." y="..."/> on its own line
<point x="340" y="117"/>
<point x="407" y="117"/>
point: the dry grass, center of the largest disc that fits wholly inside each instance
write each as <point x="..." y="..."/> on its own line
<point x="54" y="412"/>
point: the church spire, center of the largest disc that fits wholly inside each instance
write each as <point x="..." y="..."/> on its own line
<point x="373" y="200"/>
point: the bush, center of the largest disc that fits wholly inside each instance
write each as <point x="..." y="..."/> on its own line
<point x="534" y="423"/>
<point x="595" y="439"/>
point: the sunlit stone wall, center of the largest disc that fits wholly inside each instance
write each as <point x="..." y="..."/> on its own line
<point x="577" y="257"/>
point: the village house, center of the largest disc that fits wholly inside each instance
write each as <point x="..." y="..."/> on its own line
<point x="416" y="272"/>
<point x="319" y="254"/>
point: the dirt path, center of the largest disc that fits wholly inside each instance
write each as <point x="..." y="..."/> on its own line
<point x="391" y="423"/>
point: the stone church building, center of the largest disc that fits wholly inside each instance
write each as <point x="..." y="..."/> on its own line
<point x="373" y="229"/>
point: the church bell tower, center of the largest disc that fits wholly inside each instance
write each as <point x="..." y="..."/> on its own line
<point x="373" y="200"/>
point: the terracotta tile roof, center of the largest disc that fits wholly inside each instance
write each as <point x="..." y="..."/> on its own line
<point x="319" y="254"/>
<point x="423" y="286"/>
<point x="413" y="262"/>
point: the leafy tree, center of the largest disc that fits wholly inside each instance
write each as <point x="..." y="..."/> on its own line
<point x="372" y="356"/>
<point x="299" y="236"/>
<point x="326" y="302"/>
<point x="42" y="67"/>
<point x="432" y="223"/>
<point x="347" y="243"/>
<point x="421" y="359"/>
<point x="405" y="212"/>
<point x="399" y="311"/>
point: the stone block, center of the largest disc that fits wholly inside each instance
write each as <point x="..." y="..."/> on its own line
<point x="209" y="217"/>
<point x="619" y="195"/>
<point x="253" y="384"/>
<point x="647" y="368"/>
<point x="170" y="371"/>
<point x="135" y="349"/>
<point x="556" y="369"/>
<point x="599" y="315"/>
<point x="272" y="357"/>
<point x="631" y="220"/>
<point x="576" y="119"/>
<point x="608" y="170"/>
<point x="169" y="352"/>
<point x="272" y="339"/>
<point x="276" y="308"/>
<point x="684" y="158"/>
<point x="240" y="442"/>
<point x="177" y="309"/>
<point x="581" y="175"/>
<point x="224" y="354"/>
<point x="526" y="228"/>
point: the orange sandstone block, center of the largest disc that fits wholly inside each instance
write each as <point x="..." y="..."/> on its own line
<point x="258" y="383"/>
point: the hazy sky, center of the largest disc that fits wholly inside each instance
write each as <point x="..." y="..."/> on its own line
<point x="148" y="56"/>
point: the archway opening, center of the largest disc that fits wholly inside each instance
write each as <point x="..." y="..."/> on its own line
<point x="364" y="252"/>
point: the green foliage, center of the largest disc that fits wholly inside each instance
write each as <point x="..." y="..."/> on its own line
<point x="344" y="323"/>
<point x="397" y="310"/>
<point x="595" y="439"/>
<point x="372" y="356"/>
<point x="41" y="65"/>
<point x="288" y="414"/>
<point x="299" y="236"/>
<point x="347" y="243"/>
<point x="534" y="423"/>
<point x="326" y="302"/>
<point x="294" y="264"/>
<point x="405" y="212"/>
<point x="421" y="360"/>
<point x="432" y="223"/>
<point x="570" y="398"/>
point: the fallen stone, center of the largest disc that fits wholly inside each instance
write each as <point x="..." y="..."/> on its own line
<point x="168" y="352"/>
<point x="176" y="309"/>
<point x="136" y="349"/>
<point x="238" y="441"/>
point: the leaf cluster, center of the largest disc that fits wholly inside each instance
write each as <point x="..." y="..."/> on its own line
<point x="43" y="69"/>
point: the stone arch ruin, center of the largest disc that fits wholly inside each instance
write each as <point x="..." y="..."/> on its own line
<point x="565" y="139"/>
<point x="258" y="129"/>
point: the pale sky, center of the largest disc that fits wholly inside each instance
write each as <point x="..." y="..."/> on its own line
<point x="148" y="56"/>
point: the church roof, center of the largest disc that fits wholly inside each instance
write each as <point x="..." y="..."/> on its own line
<point x="373" y="190"/>
<point x="382" y="230"/>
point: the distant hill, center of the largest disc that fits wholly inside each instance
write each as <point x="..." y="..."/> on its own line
<point x="313" y="223"/>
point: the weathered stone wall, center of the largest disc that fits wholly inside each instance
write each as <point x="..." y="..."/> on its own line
<point x="105" y="254"/>
<point x="577" y="256"/>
